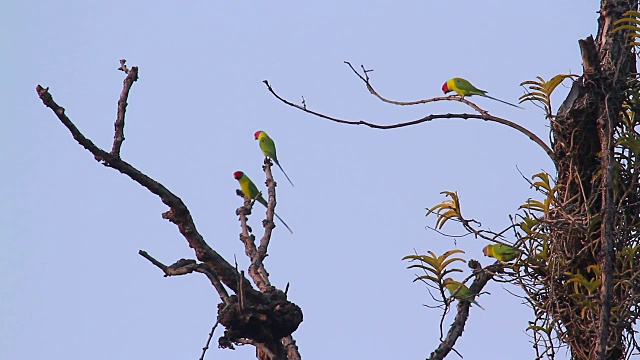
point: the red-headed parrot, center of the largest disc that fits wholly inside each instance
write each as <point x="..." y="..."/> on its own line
<point x="250" y="190"/>
<point x="501" y="252"/>
<point x="464" y="88"/>
<point x="460" y="291"/>
<point x="268" y="148"/>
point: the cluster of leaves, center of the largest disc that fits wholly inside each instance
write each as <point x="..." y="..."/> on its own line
<point x="540" y="91"/>
<point x="631" y="24"/>
<point x="434" y="267"/>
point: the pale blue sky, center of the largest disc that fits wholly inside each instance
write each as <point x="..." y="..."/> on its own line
<point x="73" y="284"/>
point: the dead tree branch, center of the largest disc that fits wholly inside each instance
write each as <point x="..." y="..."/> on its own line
<point x="178" y="212"/>
<point x="187" y="266"/>
<point x="367" y="81"/>
<point x="266" y="319"/>
<point x="248" y="239"/>
<point x="484" y="115"/>
<point x="132" y="76"/>
<point x="257" y="254"/>
<point x="206" y="345"/>
<point x="457" y="327"/>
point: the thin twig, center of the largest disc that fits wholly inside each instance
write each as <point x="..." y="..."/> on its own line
<point x="206" y="346"/>
<point x="367" y="82"/>
<point x="155" y="262"/>
<point x="241" y="295"/>
<point x="118" y="136"/>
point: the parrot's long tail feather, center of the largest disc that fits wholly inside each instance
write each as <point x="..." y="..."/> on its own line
<point x="478" y="305"/>
<point x="502" y="101"/>
<point x="283" y="223"/>
<point x="285" y="174"/>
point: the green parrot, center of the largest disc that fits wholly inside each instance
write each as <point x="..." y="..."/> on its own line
<point x="460" y="291"/>
<point x="268" y="148"/>
<point x="464" y="88"/>
<point x="501" y="252"/>
<point x="250" y="190"/>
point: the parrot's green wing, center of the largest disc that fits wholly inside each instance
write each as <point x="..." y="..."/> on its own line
<point x="465" y="85"/>
<point x="457" y="289"/>
<point x="251" y="187"/>
<point x="268" y="148"/>
<point x="505" y="252"/>
<point x="251" y="191"/>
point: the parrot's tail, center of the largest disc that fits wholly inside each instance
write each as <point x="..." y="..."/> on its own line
<point x="478" y="305"/>
<point x="285" y="224"/>
<point x="285" y="174"/>
<point x="502" y="101"/>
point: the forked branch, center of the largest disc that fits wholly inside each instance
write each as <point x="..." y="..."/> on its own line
<point x="457" y="327"/>
<point x="178" y="212"/>
<point x="482" y="114"/>
<point x="365" y="78"/>
<point x="265" y="318"/>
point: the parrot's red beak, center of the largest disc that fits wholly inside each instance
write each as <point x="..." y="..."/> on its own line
<point x="445" y="88"/>
<point x="255" y="136"/>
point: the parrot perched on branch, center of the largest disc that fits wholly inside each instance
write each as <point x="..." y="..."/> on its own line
<point x="268" y="148"/>
<point x="501" y="252"/>
<point x="460" y="291"/>
<point x="464" y="88"/>
<point x="250" y="190"/>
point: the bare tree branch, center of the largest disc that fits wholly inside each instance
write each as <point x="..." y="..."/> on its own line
<point x="178" y="214"/>
<point x="367" y="81"/>
<point x="155" y="262"/>
<point x="483" y="116"/>
<point x="456" y="329"/>
<point x="187" y="266"/>
<point x="132" y="76"/>
<point x="264" y="319"/>
<point x="257" y="255"/>
<point x="206" y="345"/>
<point x="269" y="225"/>
<point x="248" y="240"/>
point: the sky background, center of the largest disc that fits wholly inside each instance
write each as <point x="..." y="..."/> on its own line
<point x="73" y="285"/>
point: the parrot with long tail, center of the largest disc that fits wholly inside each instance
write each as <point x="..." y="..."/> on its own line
<point x="460" y="291"/>
<point x="464" y="88"/>
<point x="250" y="190"/>
<point x="501" y="252"/>
<point x="268" y="148"/>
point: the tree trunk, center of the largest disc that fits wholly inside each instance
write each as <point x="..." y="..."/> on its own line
<point x="583" y="227"/>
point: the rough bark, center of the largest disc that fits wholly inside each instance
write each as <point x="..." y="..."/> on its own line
<point x="582" y="142"/>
